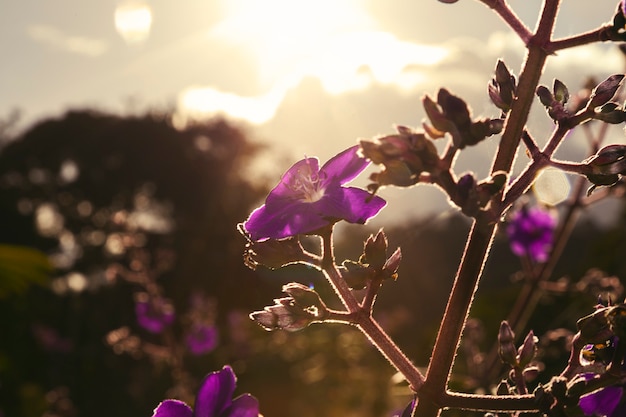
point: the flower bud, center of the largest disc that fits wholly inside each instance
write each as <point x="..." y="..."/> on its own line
<point x="606" y="160"/>
<point x="292" y="313"/>
<point x="506" y="341"/>
<point x="435" y="115"/>
<point x="561" y="94"/>
<point x="375" y="251"/>
<point x="605" y="91"/>
<point x="306" y="298"/>
<point x="506" y="84"/>
<point x="404" y="156"/>
<point x="356" y="274"/>
<point x="545" y="96"/>
<point x="528" y="350"/>
<point x="594" y="327"/>
<point x="392" y="264"/>
<point x="610" y="113"/>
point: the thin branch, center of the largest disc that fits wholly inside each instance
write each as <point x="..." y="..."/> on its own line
<point x="597" y="35"/>
<point x="334" y="276"/>
<point x="508" y="15"/>
<point x="494" y="403"/>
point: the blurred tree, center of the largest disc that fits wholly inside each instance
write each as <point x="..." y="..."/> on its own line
<point x="92" y="190"/>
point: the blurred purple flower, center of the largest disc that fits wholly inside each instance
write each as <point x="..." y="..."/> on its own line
<point x="531" y="233"/>
<point x="308" y="198"/>
<point x="153" y="314"/>
<point x="603" y="402"/>
<point x="201" y="339"/>
<point x="213" y="400"/>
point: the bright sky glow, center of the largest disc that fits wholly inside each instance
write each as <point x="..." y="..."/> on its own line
<point x="282" y="33"/>
<point x="335" y="42"/>
<point x="133" y="21"/>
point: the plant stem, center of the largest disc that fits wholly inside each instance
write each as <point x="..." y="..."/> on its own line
<point x="482" y="233"/>
<point x="496" y="403"/>
<point x="363" y="319"/>
<point x="514" y="22"/>
<point x="597" y="35"/>
<point x="390" y="350"/>
<point x="334" y="276"/>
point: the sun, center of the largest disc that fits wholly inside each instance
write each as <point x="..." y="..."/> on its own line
<point x="334" y="41"/>
<point x="284" y="33"/>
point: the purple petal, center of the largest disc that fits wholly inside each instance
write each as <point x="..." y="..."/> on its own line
<point x="288" y="220"/>
<point x="601" y="402"/>
<point x="351" y="204"/>
<point x="344" y="167"/>
<point x="283" y="193"/>
<point x="172" y="408"/>
<point x="215" y="393"/>
<point x="243" y="406"/>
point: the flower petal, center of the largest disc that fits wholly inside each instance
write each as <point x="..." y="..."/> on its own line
<point x="243" y="406"/>
<point x="284" y="221"/>
<point x="344" y="166"/>
<point x="601" y="402"/>
<point x="283" y="193"/>
<point x="215" y="393"/>
<point x="351" y="204"/>
<point x="172" y="408"/>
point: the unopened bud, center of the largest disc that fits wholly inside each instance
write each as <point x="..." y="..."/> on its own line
<point x="293" y="313"/>
<point x="561" y="94"/>
<point x="545" y="96"/>
<point x="528" y="350"/>
<point x="605" y="91"/>
<point x="435" y="115"/>
<point x="506" y="341"/>
<point x="356" y="274"/>
<point x="306" y="298"/>
<point x="594" y="328"/>
<point x="392" y="264"/>
<point x="375" y="250"/>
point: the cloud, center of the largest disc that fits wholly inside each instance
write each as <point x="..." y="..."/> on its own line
<point x="81" y="45"/>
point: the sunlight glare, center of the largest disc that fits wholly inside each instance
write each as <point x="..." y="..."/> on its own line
<point x="335" y="42"/>
<point x="282" y="33"/>
<point x="133" y="21"/>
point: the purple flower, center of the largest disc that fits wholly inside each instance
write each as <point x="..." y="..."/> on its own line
<point x="531" y="231"/>
<point x="201" y="339"/>
<point x="153" y="314"/>
<point x="603" y="402"/>
<point x="308" y="198"/>
<point x="213" y="400"/>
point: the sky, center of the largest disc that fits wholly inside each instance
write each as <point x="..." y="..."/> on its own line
<point x="307" y="77"/>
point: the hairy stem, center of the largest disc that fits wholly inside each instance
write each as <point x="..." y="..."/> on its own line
<point x="507" y="14"/>
<point x="334" y="276"/>
<point x="390" y="350"/>
<point x="597" y="35"/>
<point x="362" y="318"/>
<point x="482" y="233"/>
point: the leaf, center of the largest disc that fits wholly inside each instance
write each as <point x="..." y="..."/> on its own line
<point x="21" y="267"/>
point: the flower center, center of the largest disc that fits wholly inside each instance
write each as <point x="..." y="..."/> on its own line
<point x="308" y="185"/>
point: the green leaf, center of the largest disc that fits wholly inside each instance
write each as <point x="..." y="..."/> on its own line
<point x="21" y="267"/>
